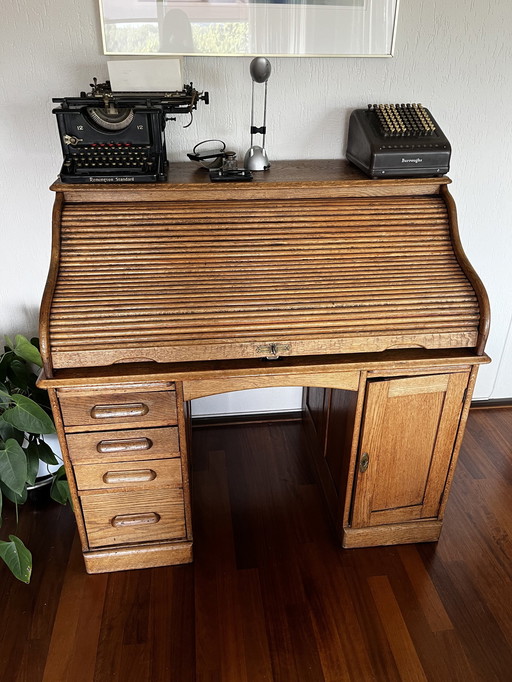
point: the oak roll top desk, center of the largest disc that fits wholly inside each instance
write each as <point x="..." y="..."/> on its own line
<point x="311" y="275"/>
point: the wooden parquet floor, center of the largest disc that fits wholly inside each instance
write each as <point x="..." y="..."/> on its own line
<point x="271" y="596"/>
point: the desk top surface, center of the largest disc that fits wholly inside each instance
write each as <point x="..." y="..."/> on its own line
<point x="325" y="173"/>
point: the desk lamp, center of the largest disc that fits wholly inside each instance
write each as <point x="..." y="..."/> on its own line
<point x="256" y="157"/>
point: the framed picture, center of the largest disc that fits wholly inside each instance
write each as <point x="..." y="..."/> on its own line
<point x="315" y="28"/>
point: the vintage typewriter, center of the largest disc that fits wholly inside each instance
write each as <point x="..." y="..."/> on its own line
<point x="397" y="140"/>
<point x="114" y="137"/>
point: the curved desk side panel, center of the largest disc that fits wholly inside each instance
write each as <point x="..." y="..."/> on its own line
<point x="470" y="272"/>
<point x="49" y="291"/>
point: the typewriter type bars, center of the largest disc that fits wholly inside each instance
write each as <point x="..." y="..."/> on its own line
<point x="118" y="137"/>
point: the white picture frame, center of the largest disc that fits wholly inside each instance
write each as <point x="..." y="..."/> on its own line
<point x="312" y="28"/>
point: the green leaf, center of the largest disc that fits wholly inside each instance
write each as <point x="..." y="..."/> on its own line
<point x="17" y="557"/>
<point x="18" y="373"/>
<point x="25" y="350"/>
<point x="7" y="431"/>
<point x="14" y="497"/>
<point x="13" y="466"/>
<point x="38" y="395"/>
<point x="26" y="415"/>
<point x="60" y="487"/>
<point x="32" y="463"/>
<point x="43" y="452"/>
<point x="5" y="362"/>
<point x="5" y="396"/>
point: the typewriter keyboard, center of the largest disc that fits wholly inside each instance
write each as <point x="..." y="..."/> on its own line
<point x="105" y="158"/>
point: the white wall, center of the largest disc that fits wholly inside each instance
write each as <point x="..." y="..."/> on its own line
<point x="455" y="57"/>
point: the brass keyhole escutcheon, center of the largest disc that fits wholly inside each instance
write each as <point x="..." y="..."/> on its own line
<point x="364" y="462"/>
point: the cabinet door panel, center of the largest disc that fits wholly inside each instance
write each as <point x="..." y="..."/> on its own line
<point x="409" y="429"/>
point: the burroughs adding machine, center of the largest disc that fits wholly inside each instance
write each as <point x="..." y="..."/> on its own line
<point x="114" y="137"/>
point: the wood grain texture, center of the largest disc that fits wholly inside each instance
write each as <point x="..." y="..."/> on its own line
<point x="334" y="266"/>
<point x="118" y="445"/>
<point x="146" y="474"/>
<point x="68" y="466"/>
<point x="458" y="440"/>
<point x="92" y="449"/>
<point x="80" y="381"/>
<point x="483" y="299"/>
<point x="392" y="534"/>
<point x="79" y="611"/>
<point x="269" y="594"/>
<point x="165" y="505"/>
<point x="326" y="171"/>
<point x="335" y="417"/>
<point x="45" y="310"/>
<point x="123" y="410"/>
<point x="431" y="604"/>
<point x="409" y="432"/>
<point x="326" y="346"/>
<point x="405" y="655"/>
<point x="191" y="272"/>
<point x="205" y="387"/>
<point x="317" y="178"/>
<point x="134" y="557"/>
<point x="185" y="436"/>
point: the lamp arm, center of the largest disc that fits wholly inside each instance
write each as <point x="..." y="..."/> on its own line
<point x="252" y="113"/>
<point x="265" y="116"/>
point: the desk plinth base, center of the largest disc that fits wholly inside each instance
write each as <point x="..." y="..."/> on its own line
<point x="141" y="556"/>
<point x="392" y="534"/>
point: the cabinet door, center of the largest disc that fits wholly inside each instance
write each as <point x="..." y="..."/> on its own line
<point x="408" y="434"/>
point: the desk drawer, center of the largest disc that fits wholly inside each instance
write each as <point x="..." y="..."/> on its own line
<point x="143" y="474"/>
<point x="151" y="408"/>
<point x="117" y="518"/>
<point x="120" y="446"/>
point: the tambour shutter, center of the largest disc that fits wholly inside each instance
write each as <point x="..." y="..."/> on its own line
<point x="204" y="280"/>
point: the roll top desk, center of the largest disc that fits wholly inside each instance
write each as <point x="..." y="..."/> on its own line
<point x="312" y="275"/>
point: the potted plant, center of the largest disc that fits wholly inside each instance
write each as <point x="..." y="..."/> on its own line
<point x="25" y="418"/>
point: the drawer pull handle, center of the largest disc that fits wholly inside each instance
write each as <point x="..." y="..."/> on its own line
<point x="135" y="476"/>
<point x="123" y="444"/>
<point x="117" y="411"/>
<point x="123" y="520"/>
